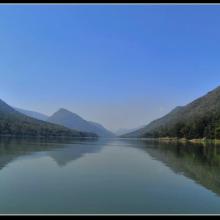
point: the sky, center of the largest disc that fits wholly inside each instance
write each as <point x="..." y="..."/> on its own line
<point x="120" y="65"/>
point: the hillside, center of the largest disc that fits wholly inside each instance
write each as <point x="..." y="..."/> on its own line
<point x="13" y="123"/>
<point x="122" y="131"/>
<point x="199" y="119"/>
<point x="32" y="114"/>
<point x="74" y="121"/>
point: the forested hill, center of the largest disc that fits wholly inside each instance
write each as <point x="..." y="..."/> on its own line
<point x="199" y="119"/>
<point x="16" y="124"/>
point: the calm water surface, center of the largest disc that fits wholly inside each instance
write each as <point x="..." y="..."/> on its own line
<point x="108" y="176"/>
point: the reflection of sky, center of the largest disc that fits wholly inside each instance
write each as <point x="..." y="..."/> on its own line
<point x="121" y="66"/>
<point x="68" y="153"/>
<point x="121" y="178"/>
<point x="117" y="176"/>
<point x="60" y="152"/>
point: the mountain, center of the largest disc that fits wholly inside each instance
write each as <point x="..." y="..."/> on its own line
<point x="122" y="131"/>
<point x="198" y="119"/>
<point x="74" y="121"/>
<point x="33" y="114"/>
<point x="14" y="123"/>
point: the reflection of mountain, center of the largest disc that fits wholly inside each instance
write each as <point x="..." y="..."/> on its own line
<point x="11" y="149"/>
<point x="61" y="150"/>
<point x="197" y="162"/>
<point x="73" y="152"/>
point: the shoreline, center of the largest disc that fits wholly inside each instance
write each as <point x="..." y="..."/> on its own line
<point x="195" y="140"/>
<point x="180" y="140"/>
<point x="47" y="137"/>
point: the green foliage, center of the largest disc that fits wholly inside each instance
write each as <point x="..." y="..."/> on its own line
<point x="199" y="119"/>
<point x="198" y="127"/>
<point x="13" y="123"/>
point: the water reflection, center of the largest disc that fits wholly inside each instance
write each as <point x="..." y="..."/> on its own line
<point x="198" y="162"/>
<point x="73" y="152"/>
<point x="61" y="150"/>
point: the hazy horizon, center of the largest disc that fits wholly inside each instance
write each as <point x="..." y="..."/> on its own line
<point x="119" y="65"/>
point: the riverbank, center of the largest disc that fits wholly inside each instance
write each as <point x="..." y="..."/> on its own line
<point x="184" y="140"/>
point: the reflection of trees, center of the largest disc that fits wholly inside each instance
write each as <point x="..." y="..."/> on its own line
<point x="200" y="163"/>
<point x="11" y="148"/>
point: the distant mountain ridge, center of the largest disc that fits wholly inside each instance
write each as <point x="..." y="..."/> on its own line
<point x="14" y="123"/>
<point x="122" y="131"/>
<point x="198" y="119"/>
<point x="74" y="121"/>
<point x="33" y="114"/>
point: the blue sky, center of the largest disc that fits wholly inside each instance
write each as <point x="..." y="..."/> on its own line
<point x="120" y="65"/>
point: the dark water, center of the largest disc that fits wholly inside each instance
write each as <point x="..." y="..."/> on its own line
<point x="108" y="176"/>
